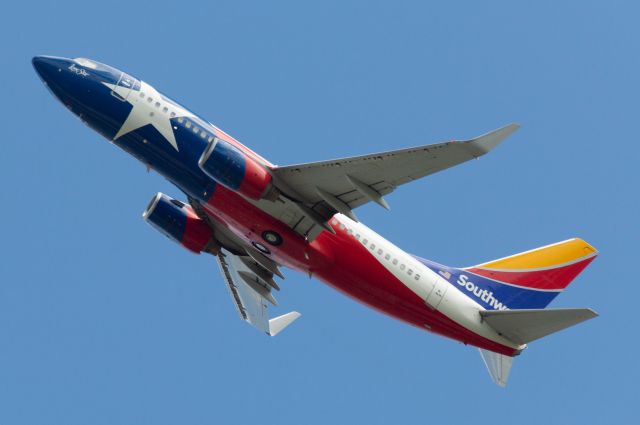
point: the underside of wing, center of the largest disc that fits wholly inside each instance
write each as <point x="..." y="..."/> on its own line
<point x="341" y="185"/>
<point x="250" y="285"/>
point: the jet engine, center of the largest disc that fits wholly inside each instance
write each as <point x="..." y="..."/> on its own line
<point x="180" y="223"/>
<point x="234" y="169"/>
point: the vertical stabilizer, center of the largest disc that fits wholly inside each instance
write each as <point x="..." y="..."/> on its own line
<point x="498" y="366"/>
<point x="550" y="268"/>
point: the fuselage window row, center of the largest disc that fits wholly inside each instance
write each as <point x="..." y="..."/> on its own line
<point x="181" y="120"/>
<point x="379" y="252"/>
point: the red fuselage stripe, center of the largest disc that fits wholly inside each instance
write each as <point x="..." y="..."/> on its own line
<point x="551" y="279"/>
<point x="343" y="263"/>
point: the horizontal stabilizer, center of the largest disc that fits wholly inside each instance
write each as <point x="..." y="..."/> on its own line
<point x="524" y="326"/>
<point x="498" y="366"/>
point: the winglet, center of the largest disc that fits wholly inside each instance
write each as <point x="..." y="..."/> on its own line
<point x="483" y="144"/>
<point x="279" y="323"/>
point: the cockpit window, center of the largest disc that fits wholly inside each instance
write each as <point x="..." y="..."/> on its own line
<point x="86" y="63"/>
<point x="107" y="73"/>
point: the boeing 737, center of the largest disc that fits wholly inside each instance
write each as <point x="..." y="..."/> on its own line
<point x="256" y="218"/>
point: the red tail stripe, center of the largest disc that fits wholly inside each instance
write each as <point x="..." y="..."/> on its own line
<point x="558" y="278"/>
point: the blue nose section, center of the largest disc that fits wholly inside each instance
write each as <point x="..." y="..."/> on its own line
<point x="56" y="73"/>
<point x="50" y="68"/>
<point x="93" y="91"/>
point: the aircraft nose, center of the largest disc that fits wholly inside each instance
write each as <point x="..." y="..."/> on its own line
<point x="49" y="67"/>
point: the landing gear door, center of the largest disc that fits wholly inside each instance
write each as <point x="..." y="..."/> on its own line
<point x="126" y="83"/>
<point x="437" y="293"/>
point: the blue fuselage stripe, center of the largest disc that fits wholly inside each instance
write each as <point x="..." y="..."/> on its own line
<point x="491" y="294"/>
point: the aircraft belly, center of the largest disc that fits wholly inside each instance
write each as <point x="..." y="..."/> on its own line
<point x="249" y="223"/>
<point x="346" y="264"/>
<point x="358" y="273"/>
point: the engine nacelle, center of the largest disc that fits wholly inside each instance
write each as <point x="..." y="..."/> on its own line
<point x="180" y="223"/>
<point x="234" y="169"/>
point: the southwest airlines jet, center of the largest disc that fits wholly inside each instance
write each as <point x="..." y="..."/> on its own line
<point x="256" y="217"/>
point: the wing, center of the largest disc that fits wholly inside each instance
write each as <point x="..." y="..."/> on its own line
<point x="341" y="185"/>
<point x="251" y="286"/>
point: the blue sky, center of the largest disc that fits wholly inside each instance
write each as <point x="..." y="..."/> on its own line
<point x="104" y="321"/>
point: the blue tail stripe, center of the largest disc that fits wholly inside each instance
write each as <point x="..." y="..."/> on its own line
<point x="491" y="294"/>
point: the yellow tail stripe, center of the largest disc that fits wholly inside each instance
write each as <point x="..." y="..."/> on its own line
<point x="547" y="256"/>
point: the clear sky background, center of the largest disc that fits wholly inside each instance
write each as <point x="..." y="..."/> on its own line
<point x="105" y="321"/>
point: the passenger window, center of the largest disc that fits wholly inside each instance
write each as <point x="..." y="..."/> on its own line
<point x="142" y="95"/>
<point x="180" y="120"/>
<point x="417" y="277"/>
<point x="341" y="226"/>
<point x="379" y="251"/>
<point x="196" y="129"/>
<point x="188" y="124"/>
<point x="386" y="257"/>
<point x="165" y="109"/>
<point x="372" y="246"/>
<point x="149" y="100"/>
<point x="173" y="115"/>
<point x="409" y="272"/>
<point x="402" y="266"/>
<point x="358" y="236"/>
<point x="365" y="241"/>
<point x="395" y="262"/>
<point x="203" y="134"/>
<point x="210" y="139"/>
<point x="157" y="104"/>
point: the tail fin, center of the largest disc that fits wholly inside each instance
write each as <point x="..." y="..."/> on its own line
<point x="551" y="267"/>
<point x="514" y="290"/>
<point x="530" y="279"/>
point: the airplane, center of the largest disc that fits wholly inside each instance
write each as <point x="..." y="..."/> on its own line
<point x="255" y="218"/>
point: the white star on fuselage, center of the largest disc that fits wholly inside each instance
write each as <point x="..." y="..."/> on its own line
<point x="145" y="112"/>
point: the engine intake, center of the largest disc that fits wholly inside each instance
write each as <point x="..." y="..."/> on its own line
<point x="180" y="223"/>
<point x="234" y="169"/>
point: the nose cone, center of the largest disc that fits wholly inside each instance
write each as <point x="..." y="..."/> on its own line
<point x="93" y="91"/>
<point x="57" y="74"/>
<point x="50" y="68"/>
